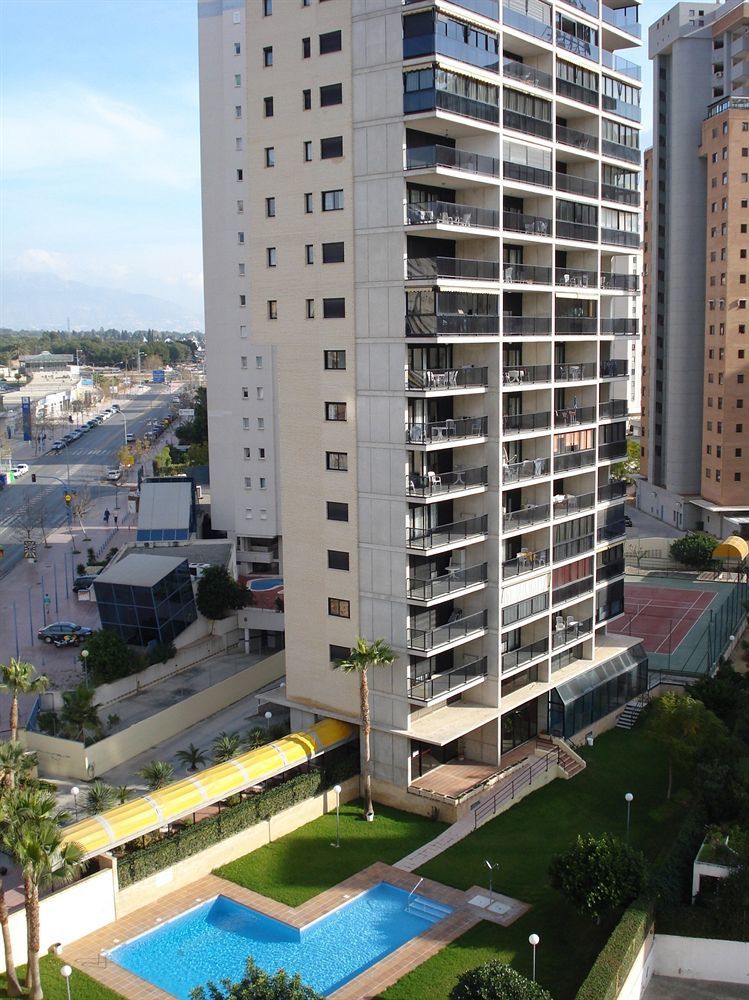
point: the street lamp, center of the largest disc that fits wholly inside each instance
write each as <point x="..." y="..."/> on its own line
<point x="75" y="792"/>
<point x="66" y="972"/>
<point x="268" y="717"/>
<point x="491" y="868"/>
<point x="628" y="799"/>
<point x="84" y="661"/>
<point x="533" y="940"/>
<point x="337" y="790"/>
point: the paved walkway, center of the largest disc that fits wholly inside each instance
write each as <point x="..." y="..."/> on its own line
<point x="668" y="988"/>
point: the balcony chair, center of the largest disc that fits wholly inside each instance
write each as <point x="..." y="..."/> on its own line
<point x="455" y="616"/>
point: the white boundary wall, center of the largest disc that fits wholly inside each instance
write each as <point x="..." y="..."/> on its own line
<point x="702" y="958"/>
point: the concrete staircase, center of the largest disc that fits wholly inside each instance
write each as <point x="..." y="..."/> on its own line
<point x="630" y="715"/>
<point x="569" y="762"/>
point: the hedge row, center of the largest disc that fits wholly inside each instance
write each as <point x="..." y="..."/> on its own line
<point x="195" y="838"/>
<point x="611" y="968"/>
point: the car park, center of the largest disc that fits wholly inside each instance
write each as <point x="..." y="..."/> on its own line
<point x="19" y="470"/>
<point x="63" y="633"/>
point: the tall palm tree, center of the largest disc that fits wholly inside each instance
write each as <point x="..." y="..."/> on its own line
<point x="20" y="677"/>
<point x="12" y="983"/>
<point x="364" y="655"/>
<point x="79" y="715"/>
<point x="193" y="757"/>
<point x="16" y="764"/>
<point x="157" y="773"/>
<point x="225" y="746"/>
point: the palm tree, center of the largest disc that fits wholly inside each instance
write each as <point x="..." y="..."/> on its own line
<point x="156" y="774"/>
<point x="193" y="757"/>
<point x="256" y="737"/>
<point x="16" y="764"/>
<point x="99" y="797"/>
<point x="20" y="677"/>
<point x="79" y="715"/>
<point x="364" y="655"/>
<point x="12" y="984"/>
<point x="123" y="793"/>
<point x="225" y="746"/>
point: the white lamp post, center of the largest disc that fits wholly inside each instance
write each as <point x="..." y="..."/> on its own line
<point x="268" y="717"/>
<point x="75" y="792"/>
<point x="533" y="941"/>
<point x="337" y="790"/>
<point x="491" y="868"/>
<point x="84" y="661"/>
<point x="66" y="972"/>
<point x="628" y="799"/>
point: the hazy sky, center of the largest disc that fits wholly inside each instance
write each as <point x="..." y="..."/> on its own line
<point x="99" y="142"/>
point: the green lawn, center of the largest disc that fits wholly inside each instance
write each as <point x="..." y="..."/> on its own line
<point x="304" y="863"/>
<point x="82" y="987"/>
<point x="523" y="841"/>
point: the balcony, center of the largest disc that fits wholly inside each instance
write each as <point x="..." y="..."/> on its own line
<point x="512" y="18"/>
<point x="573" y="547"/>
<point x="520" y="472"/>
<point x="531" y="513"/>
<point x="622" y="196"/>
<point x="611" y="532"/>
<point x="619" y="152"/>
<point x="531" y="225"/>
<point x="576" y="373"/>
<point x="459" y="268"/>
<point x="612" y="491"/>
<point x="455" y="582"/>
<point x="615" y="368"/>
<point x="446" y="379"/>
<point x="572" y="184"/>
<point x="520" y="423"/>
<point x="619" y="282"/>
<point x="576" y="231"/>
<point x="512" y="171"/>
<point x="608" y="611"/>
<point x="526" y="326"/>
<point x="515" y="658"/>
<point x="578" y="46"/>
<point x="446" y="431"/>
<point x="571" y="504"/>
<point x="428" y="157"/>
<point x="610" y="570"/>
<point x="622" y="108"/>
<point x="488" y="8"/>
<point x="539" y="127"/>
<point x="459" y="630"/>
<point x="526" y="561"/>
<point x="417" y="46"/>
<point x="473" y="529"/>
<point x="577" y="139"/>
<point x="431" y="99"/>
<point x="450" y="681"/>
<point x="612" y="408"/>
<point x="570" y="277"/>
<point x="451" y="324"/>
<point x="570" y="591"/>
<point x="620" y="237"/>
<point x="577" y="325"/>
<point x="619" y="326"/>
<point x="613" y="451"/>
<point x="525" y="609"/>
<point x="569" y="631"/>
<point x="447" y="213"/>
<point x="623" y="19"/>
<point x="514" y="70"/>
<point x="441" y="484"/>
<point x="620" y="65"/>
<point x="519" y="375"/>
<point x="584" y="95"/>
<point x="567" y="460"/>
<point x="526" y="274"/>
<point x="569" y="416"/>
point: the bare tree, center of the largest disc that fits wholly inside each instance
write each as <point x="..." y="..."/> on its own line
<point x="82" y="506"/>
<point x="27" y="524"/>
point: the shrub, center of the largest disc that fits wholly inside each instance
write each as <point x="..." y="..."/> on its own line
<point x="694" y="550"/>
<point x="617" y="956"/>
<point x="259" y="985"/>
<point x="599" y="874"/>
<point x="218" y="593"/>
<point x="496" y="981"/>
<point x="160" y="652"/>
<point x="110" y="657"/>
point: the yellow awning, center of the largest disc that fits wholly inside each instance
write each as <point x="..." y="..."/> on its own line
<point x="140" y="816"/>
<point x="733" y="547"/>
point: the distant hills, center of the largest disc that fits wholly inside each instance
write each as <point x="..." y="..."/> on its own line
<point x="36" y="301"/>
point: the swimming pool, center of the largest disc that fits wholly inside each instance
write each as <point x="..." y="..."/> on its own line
<point x="213" y="941"/>
<point x="269" y="583"/>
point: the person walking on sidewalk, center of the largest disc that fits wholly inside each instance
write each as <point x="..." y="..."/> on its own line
<point x="106" y="515"/>
<point x="116" y="519"/>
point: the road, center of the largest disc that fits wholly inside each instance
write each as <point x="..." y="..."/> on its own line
<point x="83" y="464"/>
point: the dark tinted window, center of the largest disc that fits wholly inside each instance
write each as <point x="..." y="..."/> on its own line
<point x="332" y="253"/>
<point x="339" y="652"/>
<point x="330" y="42"/>
<point x="337" y="560"/>
<point x="337" y="511"/>
<point x="331" y="94"/>
<point x="335" y="360"/>
<point x="333" y="308"/>
<point x="331" y="147"/>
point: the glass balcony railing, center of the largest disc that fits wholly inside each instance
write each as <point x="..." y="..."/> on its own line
<point x="447" y="534"/>
<point x="570" y="277"/>
<point x="526" y="274"/>
<point x="622" y="108"/>
<point x="583" y="95"/>
<point x="526" y="326"/>
<point x="433" y="268"/>
<point x="568" y="416"/>
<point x="539" y="127"/>
<point x="512" y="18"/>
<point x="589" y="6"/>
<point x="454" y="48"/>
<point x="564" y="461"/>
<point x="622" y="196"/>
<point x="570" y="591"/>
<point x="437" y="484"/>
<point x="514" y="70"/>
<point x="448" y="583"/>
<point x="439" y="379"/>
<point x="514" y="658"/>
<point x="576" y="138"/>
<point x="431" y="99"/>
<point x="573" y="547"/>
<point x="526" y="561"/>
<point x="424" y="157"/>
<point x="571" y="504"/>
<point x="612" y="491"/>
<point x="517" y="423"/>
<point x="444" y="635"/>
<point x="609" y="570"/>
<point x="451" y="325"/>
<point x="576" y="325"/>
<point x="620" y="282"/>
<point x="620" y="65"/>
<point x="608" y="611"/>
<point x="576" y="231"/>
<point x="569" y="630"/>
<point x="516" y="375"/>
<point x="512" y="171"/>
<point x="525" y="609"/>
<point x="448" y="213"/>
<point x="624" y="19"/>
<point x="449" y="681"/>
<point x="531" y="513"/>
<point x="619" y="152"/>
<point x="575" y="372"/>
<point x="461" y="428"/>
<point x="519" y="472"/>
<point x="608" y="532"/>
<point x="614" y="368"/>
<point x="620" y="326"/>
<point x="612" y="451"/>
<point x="612" y="408"/>
<point x="488" y="8"/>
<point x="572" y="184"/>
<point x="620" y="237"/>
<point x="532" y="225"/>
<point x="578" y="46"/>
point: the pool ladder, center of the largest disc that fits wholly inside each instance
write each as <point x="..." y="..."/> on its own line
<point x="413" y="890"/>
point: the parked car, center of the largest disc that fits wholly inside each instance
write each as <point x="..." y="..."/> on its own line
<point x="114" y="475"/>
<point x="116" y="407"/>
<point x="129" y="437"/>
<point x="64" y="633"/>
<point x="627" y="521"/>
<point x="19" y="470"/>
<point x="83" y="582"/>
<point x="58" y="445"/>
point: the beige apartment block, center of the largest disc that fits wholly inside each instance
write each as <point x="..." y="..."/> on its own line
<point x="440" y="209"/>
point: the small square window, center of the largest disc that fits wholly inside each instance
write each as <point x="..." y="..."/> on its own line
<point x="237" y="49"/>
<point x="240" y="239"/>
<point x="272" y="309"/>
<point x="241" y="270"/>
<point x="270" y="208"/>
<point x="332" y="253"/>
<point x="332" y="201"/>
<point x="268" y="107"/>
<point x="330" y="41"/>
<point x="307" y="150"/>
<point x="739" y="428"/>
<point x="260" y="392"/>
<point x="338" y="559"/>
<point x="243" y="361"/>
<point x="261" y="454"/>
<point x="271" y="256"/>
<point x="336" y="511"/>
<point x="268" y="55"/>
<point x="248" y="513"/>
<point x="245" y="423"/>
<point x="270" y="156"/>
<point x="306" y="48"/>
<point x="336" y="461"/>
<point x="335" y="411"/>
<point x="331" y="94"/>
<point x="306" y="100"/>
<point x="261" y="423"/>
<point x="331" y="147"/>
<point x="309" y="308"/>
<point x="309" y="253"/>
<point x="243" y="331"/>
<point x="263" y="483"/>
<point x="339" y="608"/>
<point x="737" y="477"/>
<point x="336" y="653"/>
<point x="248" y="482"/>
<point x="335" y="360"/>
<point x="334" y="308"/>
<point x="245" y="392"/>
<point x="237" y="79"/>
<point x="242" y="301"/>
<point x="240" y="206"/>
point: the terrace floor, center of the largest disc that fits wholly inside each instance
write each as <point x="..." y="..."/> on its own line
<point x="457" y="777"/>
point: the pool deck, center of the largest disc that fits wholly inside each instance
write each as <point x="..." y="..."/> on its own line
<point x="469" y="908"/>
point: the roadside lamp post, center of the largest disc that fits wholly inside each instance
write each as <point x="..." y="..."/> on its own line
<point x="66" y="972"/>
<point x="268" y="717"/>
<point x="75" y="792"/>
<point x="84" y="661"/>
<point x="628" y="799"/>
<point x="491" y="868"/>
<point x="533" y="941"/>
<point x="337" y="790"/>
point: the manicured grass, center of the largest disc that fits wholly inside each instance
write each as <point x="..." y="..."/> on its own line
<point x="82" y="987"/>
<point x="304" y="863"/>
<point x="523" y="841"/>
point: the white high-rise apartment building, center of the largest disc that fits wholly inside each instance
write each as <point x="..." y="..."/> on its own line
<point x="420" y="221"/>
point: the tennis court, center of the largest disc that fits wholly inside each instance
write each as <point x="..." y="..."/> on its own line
<point x="664" y="617"/>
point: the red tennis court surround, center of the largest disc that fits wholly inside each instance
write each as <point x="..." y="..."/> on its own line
<point x="663" y="617"/>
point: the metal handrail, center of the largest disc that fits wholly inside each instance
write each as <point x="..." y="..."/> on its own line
<point x="522" y="780"/>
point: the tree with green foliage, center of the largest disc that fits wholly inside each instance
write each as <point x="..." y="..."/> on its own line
<point x="218" y="593"/>
<point x="629" y="466"/>
<point x="258" y="985"/>
<point x="496" y="981"/>
<point x="694" y="549"/>
<point x="599" y="874"/>
<point x="195" y="431"/>
<point x="197" y="454"/>
<point x="682" y="725"/>
<point x="726" y="694"/>
<point x="193" y="757"/>
<point x="156" y="774"/>
<point x="225" y="746"/>
<point x="110" y="658"/>
<point x="19" y="677"/>
<point x="364" y="656"/>
<point x="256" y="737"/>
<point x="99" y="797"/>
<point x="16" y="764"/>
<point x="12" y="983"/>
<point x="80" y="716"/>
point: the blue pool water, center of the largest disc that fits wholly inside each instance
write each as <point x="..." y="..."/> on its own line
<point x="269" y="584"/>
<point x="214" y="940"/>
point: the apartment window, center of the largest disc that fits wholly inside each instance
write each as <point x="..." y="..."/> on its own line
<point x="237" y="48"/>
<point x="737" y="452"/>
<point x="248" y="482"/>
<point x="270" y="208"/>
<point x="243" y="331"/>
<point x="745" y="203"/>
<point x="259" y="392"/>
<point x="737" y="477"/>
<point x="709" y="425"/>
<point x="261" y="423"/>
<point x="337" y="652"/>
<point x="308" y="203"/>
<point x="332" y="253"/>
<point x="309" y="308"/>
<point x="739" y="404"/>
<point x="237" y="79"/>
<point x="241" y="270"/>
<point x="335" y="411"/>
<point x="240" y="206"/>
<point x="745" y="178"/>
<point x="245" y="423"/>
<point x="331" y="147"/>
<point x="267" y="8"/>
<point x="258" y="361"/>
<point x="741" y="354"/>
<point x="242" y="301"/>
<point x="268" y="55"/>
<point x="717" y="475"/>
<point x="332" y="201"/>
<point x="334" y="308"/>
<point x="240" y="239"/>
<point x="263" y="483"/>
<point x="708" y="449"/>
<point x="330" y="42"/>
<point x="263" y="514"/>
<point x="307" y="150"/>
<point x="247" y="453"/>
<point x="245" y="392"/>
<point x="742" y="327"/>
<point x="743" y="227"/>
<point x="248" y="513"/>
<point x="268" y="107"/>
<point x="237" y="110"/>
<point x="336" y="511"/>
<point x="271" y="256"/>
<point x="306" y="100"/>
<point x="270" y="156"/>
<point x="745" y="126"/>
<point x="337" y="559"/>
<point x="272" y="309"/>
<point x="724" y="179"/>
<point x="331" y="94"/>
<point x="243" y="361"/>
<point x="240" y="175"/>
<point x="739" y="428"/>
<point x="261" y="454"/>
<point x="306" y="48"/>
<point x="238" y="143"/>
<point x="725" y="128"/>
<point x="335" y="360"/>
<point x="339" y="608"/>
<point x="708" y="474"/>
<point x="309" y="253"/>
<point x="336" y="461"/>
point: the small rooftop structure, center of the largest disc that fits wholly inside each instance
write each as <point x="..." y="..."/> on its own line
<point x="166" y="512"/>
<point x="733" y="547"/>
<point x="47" y="360"/>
